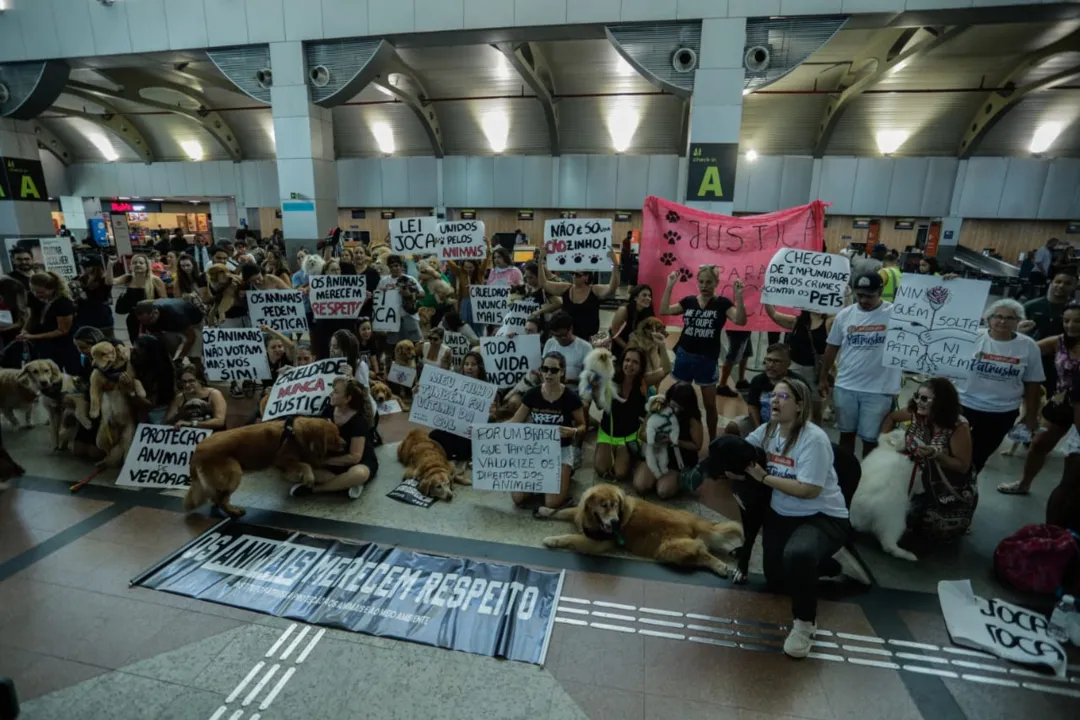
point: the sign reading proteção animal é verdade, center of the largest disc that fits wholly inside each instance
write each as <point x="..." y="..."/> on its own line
<point x="160" y="456"/>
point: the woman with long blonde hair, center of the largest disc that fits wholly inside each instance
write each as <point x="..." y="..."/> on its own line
<point x="140" y="284"/>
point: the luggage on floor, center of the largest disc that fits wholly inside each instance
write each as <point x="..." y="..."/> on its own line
<point x="1039" y="559"/>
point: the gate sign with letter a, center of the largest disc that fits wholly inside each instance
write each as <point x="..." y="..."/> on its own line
<point x="711" y="173"/>
<point x="22" y="179"/>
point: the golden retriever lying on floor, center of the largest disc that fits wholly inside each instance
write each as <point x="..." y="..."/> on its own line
<point x="425" y="460"/>
<point x="608" y="518"/>
<point x="292" y="446"/>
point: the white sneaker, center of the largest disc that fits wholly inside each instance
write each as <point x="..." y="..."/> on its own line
<point x="800" y="639"/>
<point x="355" y="492"/>
<point x="852" y="568"/>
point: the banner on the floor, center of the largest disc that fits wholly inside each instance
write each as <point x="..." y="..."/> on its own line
<point x="995" y="626"/>
<point x="516" y="457"/>
<point x="484" y="608"/>
<point x="450" y="401"/>
<point x="934" y="325"/>
<point x="681" y="239"/>
<point x="302" y="390"/>
<point x="160" y="456"/>
<point x="282" y="310"/>
<point x="814" y="281"/>
<point x="409" y="493"/>
<point x="234" y="354"/>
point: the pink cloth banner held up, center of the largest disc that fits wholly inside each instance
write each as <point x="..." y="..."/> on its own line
<point x="680" y="238"/>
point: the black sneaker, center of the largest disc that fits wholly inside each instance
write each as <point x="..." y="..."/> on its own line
<point x="301" y="490"/>
<point x="725" y="391"/>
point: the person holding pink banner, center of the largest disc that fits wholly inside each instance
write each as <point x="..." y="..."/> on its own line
<point x="697" y="354"/>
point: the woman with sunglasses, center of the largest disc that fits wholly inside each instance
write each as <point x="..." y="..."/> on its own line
<point x="938" y="440"/>
<point x="552" y="403"/>
<point x="581" y="298"/>
<point x="1006" y="371"/>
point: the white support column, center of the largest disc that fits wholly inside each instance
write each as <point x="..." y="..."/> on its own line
<point x="223" y="219"/>
<point x="26" y="212"/>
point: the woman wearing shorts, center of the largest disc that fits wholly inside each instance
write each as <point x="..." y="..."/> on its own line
<point x="619" y="427"/>
<point x="697" y="354"/>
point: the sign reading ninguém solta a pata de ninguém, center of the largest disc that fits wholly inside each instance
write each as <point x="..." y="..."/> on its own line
<point x="483" y="608"/>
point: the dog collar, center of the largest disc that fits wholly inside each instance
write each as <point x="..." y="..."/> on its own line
<point x="287" y="432"/>
<point x="619" y="537"/>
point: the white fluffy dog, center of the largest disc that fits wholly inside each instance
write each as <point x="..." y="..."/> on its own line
<point x="880" y="505"/>
<point x="661" y="421"/>
<point x="596" y="379"/>
<point x="313" y="265"/>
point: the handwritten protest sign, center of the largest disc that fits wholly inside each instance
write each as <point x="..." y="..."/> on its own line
<point x="302" y="390"/>
<point x="390" y="407"/>
<point x="415" y="235"/>
<point x="449" y="401"/>
<point x="234" y="354"/>
<point x="578" y="244"/>
<point x="409" y="493"/>
<point x="160" y="456"/>
<point x="508" y="359"/>
<point x="682" y="239"/>
<point x="57" y="257"/>
<point x="283" y="310"/>
<point x="462" y="240"/>
<point x="337" y="296"/>
<point x="517" y="316"/>
<point x="512" y="457"/>
<point x="934" y="325"/>
<point x="814" y="281"/>
<point x="1006" y="630"/>
<point x="459" y="347"/>
<point x="402" y="375"/>
<point x="386" y="314"/>
<point x="490" y="303"/>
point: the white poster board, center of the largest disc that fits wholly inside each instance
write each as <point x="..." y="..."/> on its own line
<point x="160" y="456"/>
<point x="578" y="244"/>
<point x="995" y="626"/>
<point x="401" y="374"/>
<point x="390" y="407"/>
<point x="121" y="233"/>
<point x="490" y="303"/>
<point x="6" y="318"/>
<point x="513" y="457"/>
<point x="449" y="401"/>
<point x="234" y="354"/>
<point x="414" y="236"/>
<point x="806" y="280"/>
<point x="57" y="257"/>
<point x="459" y="347"/>
<point x="508" y="359"/>
<point x="517" y="316"/>
<point x="462" y="240"/>
<point x="302" y="390"/>
<point x="337" y="297"/>
<point x="282" y="310"/>
<point x="934" y="325"/>
<point x="386" y="313"/>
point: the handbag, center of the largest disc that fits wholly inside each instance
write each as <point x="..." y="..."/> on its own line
<point x="945" y="510"/>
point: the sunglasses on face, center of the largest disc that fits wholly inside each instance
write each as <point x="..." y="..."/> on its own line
<point x="782" y="395"/>
<point x="920" y="398"/>
<point x="548" y="370"/>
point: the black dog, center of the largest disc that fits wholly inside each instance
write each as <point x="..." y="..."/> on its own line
<point x="732" y="454"/>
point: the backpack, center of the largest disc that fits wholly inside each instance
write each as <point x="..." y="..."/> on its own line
<point x="1039" y="559"/>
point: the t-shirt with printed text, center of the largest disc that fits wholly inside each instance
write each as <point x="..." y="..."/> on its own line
<point x="999" y="370"/>
<point x="860" y="335"/>
<point x="810" y="461"/>
<point x="702" y="325"/>
<point x="547" y="412"/>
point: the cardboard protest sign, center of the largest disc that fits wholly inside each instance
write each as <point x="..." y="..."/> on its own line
<point x="806" y="280"/>
<point x="449" y="401"/>
<point x="57" y="257"/>
<point x="414" y="236"/>
<point x="402" y="375"/>
<point x="517" y="316"/>
<point x="302" y="390"/>
<point x="1006" y="630"/>
<point x="234" y="354"/>
<point x="682" y="239"/>
<point x="578" y="244"/>
<point x="934" y="325"/>
<point x="283" y="310"/>
<point x="160" y="456"/>
<point x="409" y="493"/>
<point x="462" y="240"/>
<point x="386" y="314"/>
<point x="508" y="359"/>
<point x="337" y="296"/>
<point x="513" y="457"/>
<point x="389" y="407"/>
<point x="459" y="347"/>
<point x="490" y="303"/>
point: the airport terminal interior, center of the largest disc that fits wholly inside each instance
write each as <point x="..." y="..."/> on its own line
<point x="927" y="141"/>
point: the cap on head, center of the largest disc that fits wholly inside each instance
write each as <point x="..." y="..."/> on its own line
<point x="871" y="282"/>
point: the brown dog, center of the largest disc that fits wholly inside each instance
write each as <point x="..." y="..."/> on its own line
<point x="110" y="385"/>
<point x="608" y="518"/>
<point x="224" y="289"/>
<point x="20" y="389"/>
<point x="425" y="460"/>
<point x="219" y="461"/>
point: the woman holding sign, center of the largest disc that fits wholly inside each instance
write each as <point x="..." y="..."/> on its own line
<point x="552" y="403"/>
<point x="619" y="427"/>
<point x="195" y="405"/>
<point x="581" y="300"/>
<point x="697" y="354"/>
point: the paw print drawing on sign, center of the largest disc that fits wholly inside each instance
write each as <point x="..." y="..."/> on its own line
<point x="594" y="259"/>
<point x="562" y="259"/>
<point x="685" y="274"/>
<point x="579" y="258"/>
<point x="668" y="258"/>
<point x="672" y="237"/>
<point x="672" y="216"/>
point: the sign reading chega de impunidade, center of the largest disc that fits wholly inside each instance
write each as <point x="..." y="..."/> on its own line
<point x="160" y="456"/>
<point x="337" y="297"/>
<point x="807" y="280"/>
<point x="282" y="310"/>
<point x="234" y="354"/>
<point x="578" y="244"/>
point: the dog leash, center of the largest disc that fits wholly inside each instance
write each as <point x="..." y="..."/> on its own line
<point x="85" y="481"/>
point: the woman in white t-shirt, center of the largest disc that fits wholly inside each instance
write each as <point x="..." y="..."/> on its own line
<point x="1006" y="371"/>
<point x="808" y="520"/>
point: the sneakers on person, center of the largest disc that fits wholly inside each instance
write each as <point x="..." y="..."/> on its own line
<point x="742" y="385"/>
<point x="301" y="490"/>
<point x="355" y="491"/>
<point x="725" y="391"/>
<point x="800" y="639"/>
<point x="851" y="567"/>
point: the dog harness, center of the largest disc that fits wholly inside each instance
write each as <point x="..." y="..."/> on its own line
<point x="287" y="432"/>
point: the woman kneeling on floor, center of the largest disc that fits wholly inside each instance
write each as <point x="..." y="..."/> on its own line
<point x="807" y="522"/>
<point x="196" y="405"/>
<point x="350" y="409"/>
<point x="552" y="403"/>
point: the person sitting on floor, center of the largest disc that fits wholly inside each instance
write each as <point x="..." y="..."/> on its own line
<point x="459" y="448"/>
<point x="195" y="405"/>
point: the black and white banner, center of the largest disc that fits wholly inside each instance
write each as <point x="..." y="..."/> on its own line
<point x="484" y="608"/>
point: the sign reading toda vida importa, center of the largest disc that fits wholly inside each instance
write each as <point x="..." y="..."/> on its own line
<point x="160" y="456"/>
<point x="302" y="390"/>
<point x="806" y="280"/>
<point x="578" y="244"/>
<point x="484" y="608"/>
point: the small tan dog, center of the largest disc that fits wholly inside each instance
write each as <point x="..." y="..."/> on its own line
<point x="425" y="460"/>
<point x="65" y="402"/>
<point x="607" y="518"/>
<point x="224" y="289"/>
<point x="110" y="383"/>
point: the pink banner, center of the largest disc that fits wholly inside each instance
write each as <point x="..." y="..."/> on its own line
<point x="682" y="239"/>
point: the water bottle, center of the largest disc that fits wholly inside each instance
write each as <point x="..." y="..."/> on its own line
<point x="1064" y="614"/>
